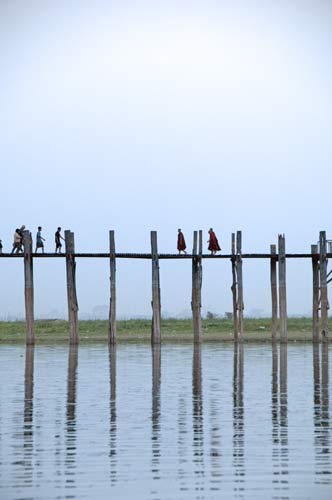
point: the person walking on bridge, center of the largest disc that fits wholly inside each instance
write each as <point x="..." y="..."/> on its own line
<point x="39" y="240"/>
<point x="181" y="246"/>
<point x="58" y="239"/>
<point x="18" y="240"/>
<point x="213" y="242"/>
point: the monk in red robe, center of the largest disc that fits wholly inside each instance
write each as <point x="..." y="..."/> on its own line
<point x="181" y="242"/>
<point x="213" y="242"/>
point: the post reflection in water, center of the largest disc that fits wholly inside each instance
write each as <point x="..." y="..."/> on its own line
<point x="284" y="449"/>
<point x="215" y="440"/>
<point x="275" y="417"/>
<point x="238" y="420"/>
<point x="28" y="416"/>
<point x="279" y="406"/>
<point x="198" y="423"/>
<point x="70" y="455"/>
<point x="155" y="414"/>
<point x="182" y="444"/>
<point x="322" y="439"/>
<point x="113" y="451"/>
<point x="211" y="440"/>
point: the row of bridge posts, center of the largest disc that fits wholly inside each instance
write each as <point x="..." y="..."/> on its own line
<point x="277" y="277"/>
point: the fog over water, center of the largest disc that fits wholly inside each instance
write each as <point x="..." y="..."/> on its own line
<point x="147" y="115"/>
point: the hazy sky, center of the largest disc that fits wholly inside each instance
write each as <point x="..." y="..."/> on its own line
<point x="140" y="115"/>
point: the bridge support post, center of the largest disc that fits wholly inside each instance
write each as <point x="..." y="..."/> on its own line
<point x="196" y="294"/>
<point x="156" y="305"/>
<point x="112" y="311"/>
<point x="323" y="286"/>
<point x="282" y="287"/>
<point x="28" y="288"/>
<point x="274" y="292"/>
<point x="315" y="294"/>
<point x="71" y="288"/>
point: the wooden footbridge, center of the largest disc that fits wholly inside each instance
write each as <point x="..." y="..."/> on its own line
<point x="277" y="256"/>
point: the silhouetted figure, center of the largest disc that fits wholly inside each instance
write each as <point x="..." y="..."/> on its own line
<point x="181" y="246"/>
<point x="1" y="246"/>
<point x="213" y="242"/>
<point x="20" y="232"/>
<point x="18" y="240"/>
<point x="39" y="240"/>
<point x="58" y="239"/>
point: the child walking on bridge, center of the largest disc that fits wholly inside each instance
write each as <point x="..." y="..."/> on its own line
<point x="58" y="239"/>
<point x="39" y="240"/>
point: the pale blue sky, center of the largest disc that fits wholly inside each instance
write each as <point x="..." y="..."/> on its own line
<point x="157" y="115"/>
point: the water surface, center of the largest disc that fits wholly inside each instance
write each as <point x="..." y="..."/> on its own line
<point x="176" y="422"/>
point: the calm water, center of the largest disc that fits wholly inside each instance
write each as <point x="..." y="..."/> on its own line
<point x="171" y="423"/>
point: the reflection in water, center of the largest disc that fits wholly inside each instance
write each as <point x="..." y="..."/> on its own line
<point x="198" y="424"/>
<point x="321" y="415"/>
<point x="316" y="373"/>
<point x="284" y="451"/>
<point x="280" y="450"/>
<point x="155" y="415"/>
<point x="28" y="416"/>
<point x="112" y="373"/>
<point x="275" y="418"/>
<point x="182" y="444"/>
<point x="238" y="420"/>
<point x="208" y="445"/>
<point x="70" y="460"/>
<point x="215" y="440"/>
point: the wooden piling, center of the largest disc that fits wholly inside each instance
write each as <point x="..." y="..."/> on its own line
<point x="200" y="242"/>
<point x="240" y="305"/>
<point x="282" y="288"/>
<point x="234" y="291"/>
<point x="315" y="294"/>
<point x="196" y="289"/>
<point x="323" y="285"/>
<point x="112" y="311"/>
<point x="195" y="243"/>
<point x="28" y="288"/>
<point x="274" y="291"/>
<point x="71" y="288"/>
<point x="156" y="305"/>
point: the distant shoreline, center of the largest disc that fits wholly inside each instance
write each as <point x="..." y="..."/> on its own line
<point x="139" y="330"/>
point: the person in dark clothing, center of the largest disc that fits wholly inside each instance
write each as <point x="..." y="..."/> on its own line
<point x="58" y="239"/>
<point x="20" y="232"/>
<point x="18" y="240"/>
<point x="181" y="246"/>
<point x="213" y="242"/>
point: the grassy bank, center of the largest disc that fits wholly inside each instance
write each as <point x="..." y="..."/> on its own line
<point x="299" y="329"/>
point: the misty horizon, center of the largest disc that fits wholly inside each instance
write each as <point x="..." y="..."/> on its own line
<point x="145" y="115"/>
